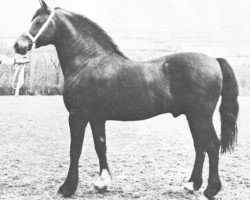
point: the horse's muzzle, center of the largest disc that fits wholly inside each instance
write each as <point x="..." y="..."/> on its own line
<point x="22" y="45"/>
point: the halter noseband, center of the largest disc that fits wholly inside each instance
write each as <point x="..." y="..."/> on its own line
<point x="34" y="38"/>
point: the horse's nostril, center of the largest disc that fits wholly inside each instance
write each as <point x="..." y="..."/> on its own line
<point x="16" y="45"/>
<point x="29" y="46"/>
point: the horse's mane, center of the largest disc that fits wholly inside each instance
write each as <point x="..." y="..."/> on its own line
<point x="88" y="27"/>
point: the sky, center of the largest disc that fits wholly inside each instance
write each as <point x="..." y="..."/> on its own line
<point x="230" y="18"/>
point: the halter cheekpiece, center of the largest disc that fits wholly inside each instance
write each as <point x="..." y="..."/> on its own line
<point x="34" y="38"/>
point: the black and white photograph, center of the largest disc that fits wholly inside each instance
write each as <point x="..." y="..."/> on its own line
<point x="120" y="100"/>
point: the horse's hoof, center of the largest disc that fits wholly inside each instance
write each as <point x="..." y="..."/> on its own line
<point x="193" y="186"/>
<point x="209" y="195"/>
<point x="211" y="192"/>
<point x="67" y="190"/>
<point x="103" y="182"/>
<point x="189" y="186"/>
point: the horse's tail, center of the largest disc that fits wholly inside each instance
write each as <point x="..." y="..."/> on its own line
<point x="229" y="107"/>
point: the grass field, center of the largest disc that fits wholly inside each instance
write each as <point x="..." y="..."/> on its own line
<point x="148" y="159"/>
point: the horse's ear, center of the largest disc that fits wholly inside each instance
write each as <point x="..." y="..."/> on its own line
<point x="43" y="4"/>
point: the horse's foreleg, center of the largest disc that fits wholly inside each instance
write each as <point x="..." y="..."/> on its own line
<point x="99" y="135"/>
<point x="77" y="129"/>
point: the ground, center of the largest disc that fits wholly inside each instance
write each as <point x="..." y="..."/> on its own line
<point x="149" y="159"/>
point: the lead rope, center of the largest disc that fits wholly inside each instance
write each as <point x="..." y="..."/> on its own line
<point x="19" y="74"/>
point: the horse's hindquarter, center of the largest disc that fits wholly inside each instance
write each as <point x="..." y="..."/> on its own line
<point x="121" y="90"/>
<point x="195" y="80"/>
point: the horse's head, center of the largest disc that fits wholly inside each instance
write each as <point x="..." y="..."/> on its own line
<point x="42" y="30"/>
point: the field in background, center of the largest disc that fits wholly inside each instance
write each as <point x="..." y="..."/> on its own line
<point x="44" y="75"/>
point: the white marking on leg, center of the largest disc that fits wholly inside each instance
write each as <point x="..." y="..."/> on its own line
<point x="101" y="139"/>
<point x="104" y="181"/>
<point x="189" y="186"/>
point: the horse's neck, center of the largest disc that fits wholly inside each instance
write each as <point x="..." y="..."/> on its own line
<point x="73" y="47"/>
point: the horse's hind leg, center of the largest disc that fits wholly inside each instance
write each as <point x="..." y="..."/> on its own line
<point x="77" y="130"/>
<point x="212" y="148"/>
<point x="202" y="127"/>
<point x="99" y="135"/>
<point x="195" y="180"/>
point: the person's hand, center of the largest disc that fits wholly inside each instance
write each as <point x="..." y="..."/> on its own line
<point x="20" y="61"/>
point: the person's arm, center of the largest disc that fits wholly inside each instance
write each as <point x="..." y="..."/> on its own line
<point x="5" y="60"/>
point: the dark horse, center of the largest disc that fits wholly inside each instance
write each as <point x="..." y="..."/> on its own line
<point x="102" y="84"/>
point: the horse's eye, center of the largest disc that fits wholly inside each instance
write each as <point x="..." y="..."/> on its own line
<point x="39" y="22"/>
